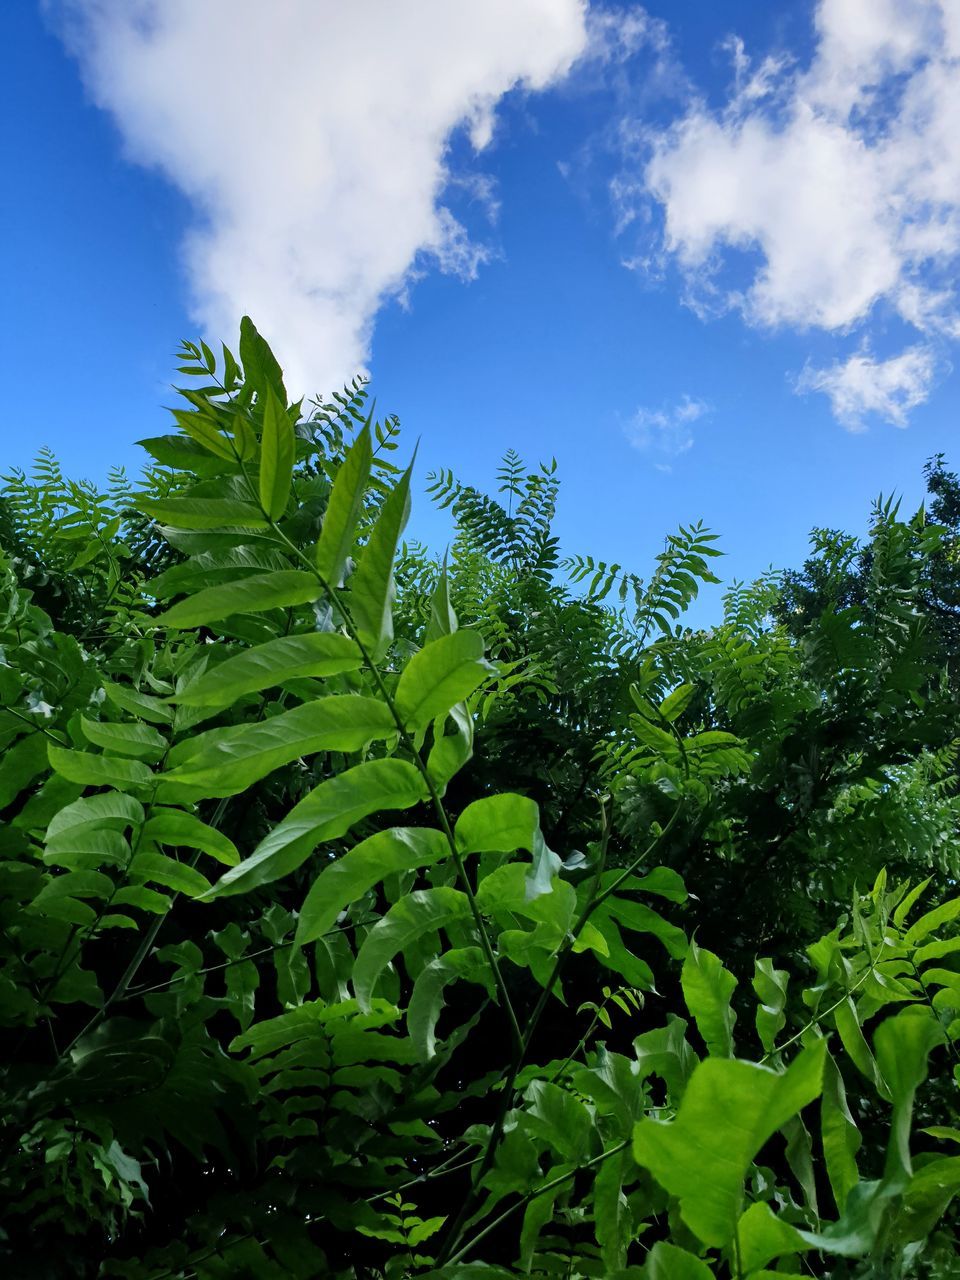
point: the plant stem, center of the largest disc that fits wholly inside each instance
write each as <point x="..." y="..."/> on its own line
<point x="533" y="1195"/>
<point x="424" y="772"/>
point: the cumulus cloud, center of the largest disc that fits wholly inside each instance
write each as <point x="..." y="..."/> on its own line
<point x="311" y="137"/>
<point x="827" y="195"/>
<point x="666" y="433"/>
<point x="863" y="385"/>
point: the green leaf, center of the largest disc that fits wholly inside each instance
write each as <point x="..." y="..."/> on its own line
<point x="423" y="911"/>
<point x="62" y="897"/>
<point x="669" y="1262"/>
<point x="707" y="989"/>
<point x="465" y="964"/>
<point x="770" y="986"/>
<point x="183" y="830"/>
<point x="138" y="704"/>
<point x="665" y="1052"/>
<point x="21" y="763"/>
<point x="839" y="1134"/>
<point x="260" y="366"/>
<point x="347" y="879"/>
<point x="641" y="919"/>
<point x="675" y="703"/>
<point x="612" y="1216"/>
<point x="372" y="586"/>
<point x="498" y="824"/>
<point x="179" y="876"/>
<point x="255" y="594"/>
<point x="204" y="432"/>
<point x="136" y="740"/>
<point x="442" y="620"/>
<point x="99" y="771"/>
<point x="443" y="673"/>
<point x="450" y="751"/>
<point x="88" y="847"/>
<point x="278" y="447"/>
<point x="729" y="1110"/>
<point x="328" y="811"/>
<point x="858" y="1051"/>
<point x="763" y="1236"/>
<point x="222" y="762"/>
<point x="316" y="653"/>
<point x="556" y="1116"/>
<point x="904" y="908"/>
<point x="902" y="1046"/>
<point x="112" y="810"/>
<point x="204" y="513"/>
<point x="932" y="920"/>
<point x="339" y="529"/>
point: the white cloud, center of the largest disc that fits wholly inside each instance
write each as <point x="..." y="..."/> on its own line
<point x="826" y="196"/>
<point x="862" y="385"/>
<point x="311" y="139"/>
<point x="666" y="433"/>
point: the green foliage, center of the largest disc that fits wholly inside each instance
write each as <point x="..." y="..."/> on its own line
<point x="367" y="915"/>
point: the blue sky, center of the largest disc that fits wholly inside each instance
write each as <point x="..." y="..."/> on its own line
<point x="700" y="253"/>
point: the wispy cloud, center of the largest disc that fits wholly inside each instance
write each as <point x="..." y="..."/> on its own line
<point x="824" y="196"/>
<point x="862" y="385"/>
<point x="666" y="433"/>
<point x="311" y="138"/>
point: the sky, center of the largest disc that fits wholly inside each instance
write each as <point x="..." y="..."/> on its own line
<point x="701" y="254"/>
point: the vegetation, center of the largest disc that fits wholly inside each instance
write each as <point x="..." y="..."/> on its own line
<point x="367" y="914"/>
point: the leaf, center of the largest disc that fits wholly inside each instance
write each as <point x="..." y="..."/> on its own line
<point x="138" y="704"/>
<point x="729" y="1110"/>
<point x="99" y="771"/>
<point x="707" y="989"/>
<point x="223" y="762"/>
<point x="763" y="1236"/>
<point x="204" y="513"/>
<point x="932" y="920"/>
<point x="88" y="848"/>
<point x="260" y="366"/>
<point x="368" y="863"/>
<point x="316" y="653"/>
<point x="641" y="919"/>
<point x="675" y="703"/>
<point x="669" y="1262"/>
<point x="538" y="1213"/>
<point x="443" y="673"/>
<point x="179" y="876"/>
<point x="278" y="447"/>
<point x="136" y="740"/>
<point x="325" y="813"/>
<point x="20" y="765"/>
<point x="339" y="528"/>
<point x="839" y="1134"/>
<point x="902" y="1046"/>
<point x="442" y="620"/>
<point x="557" y="1117"/>
<point x="423" y="911"/>
<point x="254" y="594"/>
<point x="857" y="1049"/>
<point x="112" y="810"/>
<point x="183" y="830"/>
<point x="770" y="986"/>
<point x="372" y="586"/>
<point x="904" y="908"/>
<point x="450" y="751"/>
<point x="498" y="824"/>
<point x="466" y="964"/>
<point x="612" y="1217"/>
